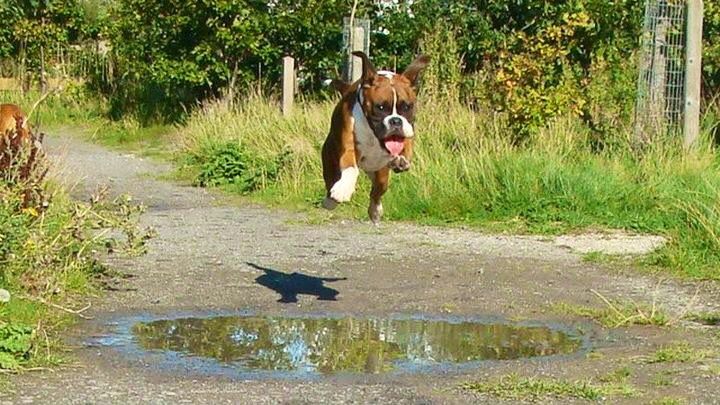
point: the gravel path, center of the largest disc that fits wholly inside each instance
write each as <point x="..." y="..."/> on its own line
<point x="202" y="256"/>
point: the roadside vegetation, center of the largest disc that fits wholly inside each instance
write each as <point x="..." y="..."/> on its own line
<point x="50" y="251"/>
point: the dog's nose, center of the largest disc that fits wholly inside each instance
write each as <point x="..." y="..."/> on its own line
<point x="395" y="122"/>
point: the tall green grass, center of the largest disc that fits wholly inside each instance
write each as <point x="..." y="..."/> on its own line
<point x="467" y="171"/>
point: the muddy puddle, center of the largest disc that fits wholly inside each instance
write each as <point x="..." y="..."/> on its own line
<point x="306" y="346"/>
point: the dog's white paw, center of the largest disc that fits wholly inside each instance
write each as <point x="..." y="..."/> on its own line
<point x="343" y="190"/>
<point x="375" y="211"/>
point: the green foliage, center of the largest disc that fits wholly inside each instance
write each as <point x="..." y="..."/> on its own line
<point x="711" y="48"/>
<point x="442" y="78"/>
<point x="534" y="60"/>
<point x="538" y="56"/>
<point x="15" y="343"/>
<point x="232" y="164"/>
<point x="32" y="30"/>
<point x="198" y="48"/>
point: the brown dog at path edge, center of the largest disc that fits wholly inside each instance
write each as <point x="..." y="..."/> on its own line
<point x="14" y="131"/>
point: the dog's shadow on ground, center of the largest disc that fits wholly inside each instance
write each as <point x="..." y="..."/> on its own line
<point x="290" y="285"/>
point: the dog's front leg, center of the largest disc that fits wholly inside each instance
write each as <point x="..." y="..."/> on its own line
<point x="402" y="162"/>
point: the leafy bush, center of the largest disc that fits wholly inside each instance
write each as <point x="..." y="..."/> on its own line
<point x="232" y="164"/>
<point x="33" y="30"/>
<point x="173" y="53"/>
<point x="15" y="344"/>
<point x="711" y="49"/>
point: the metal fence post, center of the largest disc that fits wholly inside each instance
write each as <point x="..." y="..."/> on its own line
<point x="693" y="72"/>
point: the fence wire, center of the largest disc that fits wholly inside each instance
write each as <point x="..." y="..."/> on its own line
<point x="661" y="82"/>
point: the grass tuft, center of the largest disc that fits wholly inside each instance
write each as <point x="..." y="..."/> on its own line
<point x="619" y="315"/>
<point x="679" y="353"/>
<point x="514" y="387"/>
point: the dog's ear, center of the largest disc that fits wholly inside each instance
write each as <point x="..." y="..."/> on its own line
<point x="368" y="69"/>
<point x="412" y="72"/>
<point x="340" y="86"/>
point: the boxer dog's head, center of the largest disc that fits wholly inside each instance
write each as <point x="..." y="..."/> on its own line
<point x="388" y="101"/>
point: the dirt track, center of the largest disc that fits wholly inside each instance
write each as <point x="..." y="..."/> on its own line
<point x="200" y="261"/>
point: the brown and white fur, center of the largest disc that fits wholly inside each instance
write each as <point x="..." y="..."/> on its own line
<point x="13" y="119"/>
<point x="376" y="111"/>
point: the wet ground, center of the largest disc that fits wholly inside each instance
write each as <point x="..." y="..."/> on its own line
<point x="213" y="255"/>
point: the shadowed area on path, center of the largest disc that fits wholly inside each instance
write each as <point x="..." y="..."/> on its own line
<point x="290" y="285"/>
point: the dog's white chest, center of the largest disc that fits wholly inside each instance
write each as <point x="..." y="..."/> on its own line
<point x="373" y="155"/>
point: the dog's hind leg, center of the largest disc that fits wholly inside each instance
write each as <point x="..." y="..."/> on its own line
<point x="380" y="180"/>
<point x="331" y="174"/>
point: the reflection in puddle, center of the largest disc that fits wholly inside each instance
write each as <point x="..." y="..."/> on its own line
<point x="330" y="345"/>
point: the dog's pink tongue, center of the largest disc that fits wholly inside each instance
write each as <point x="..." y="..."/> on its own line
<point x="395" y="146"/>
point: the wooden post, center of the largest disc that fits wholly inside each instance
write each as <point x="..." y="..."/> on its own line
<point x="693" y="72"/>
<point x="288" y="85"/>
<point x="357" y="44"/>
<point x="43" y="79"/>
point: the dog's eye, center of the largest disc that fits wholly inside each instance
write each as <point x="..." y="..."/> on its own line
<point x="380" y="107"/>
<point x="405" y="107"/>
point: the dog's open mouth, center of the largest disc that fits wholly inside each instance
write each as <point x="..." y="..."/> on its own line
<point x="394" y="144"/>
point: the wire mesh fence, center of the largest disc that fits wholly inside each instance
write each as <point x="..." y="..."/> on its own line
<point x="661" y="82"/>
<point x="61" y="63"/>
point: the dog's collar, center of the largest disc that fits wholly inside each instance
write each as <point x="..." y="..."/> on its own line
<point x="359" y="101"/>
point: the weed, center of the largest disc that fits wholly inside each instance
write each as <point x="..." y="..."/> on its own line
<point x="514" y="387"/>
<point x="15" y="343"/>
<point x="620" y="375"/>
<point x="231" y="164"/>
<point x="663" y="379"/>
<point x="615" y="316"/>
<point x="679" y="353"/>
<point x="604" y="258"/>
